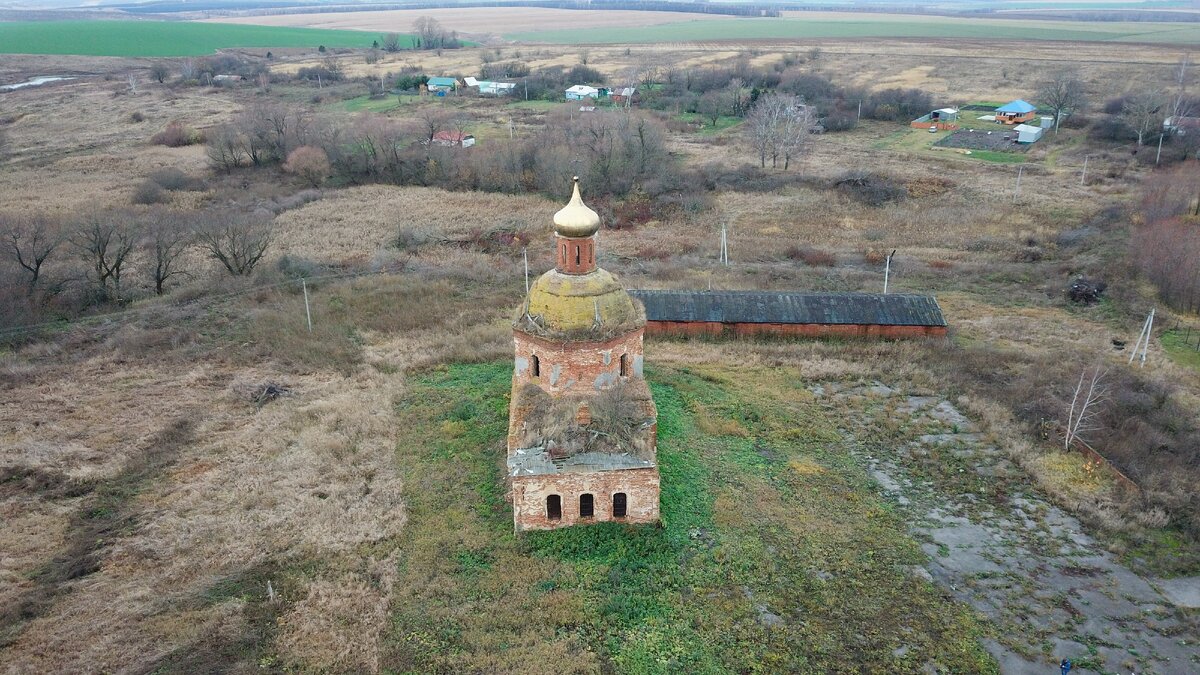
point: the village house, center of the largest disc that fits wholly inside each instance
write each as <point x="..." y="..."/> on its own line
<point x="581" y="91"/>
<point x="582" y="421"/>
<point x="1016" y="112"/>
<point x="440" y="85"/>
<point x="453" y="139"/>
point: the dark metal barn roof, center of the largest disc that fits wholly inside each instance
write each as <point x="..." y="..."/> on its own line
<point x="893" y="309"/>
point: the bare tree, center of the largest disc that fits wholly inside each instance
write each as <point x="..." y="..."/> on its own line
<point x="168" y="236"/>
<point x="779" y="126"/>
<point x="1144" y="113"/>
<point x="225" y="148"/>
<point x="761" y="126"/>
<point x="1181" y="103"/>
<point x="188" y="70"/>
<point x="106" y="241"/>
<point x="160" y="71"/>
<point x="237" y="241"/>
<point x="1063" y="94"/>
<point x="712" y="104"/>
<point x="795" y="129"/>
<point x="29" y="241"/>
<point x="432" y="119"/>
<point x="1090" y="394"/>
<point x="391" y="42"/>
<point x="430" y="34"/>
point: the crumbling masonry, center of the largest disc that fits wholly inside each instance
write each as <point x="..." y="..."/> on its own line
<point x="582" y="422"/>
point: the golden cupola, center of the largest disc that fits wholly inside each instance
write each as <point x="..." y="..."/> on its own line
<point x="576" y="220"/>
<point x="577" y="298"/>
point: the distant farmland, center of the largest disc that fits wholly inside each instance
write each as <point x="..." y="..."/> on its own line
<point x="816" y="25"/>
<point x="164" y="38"/>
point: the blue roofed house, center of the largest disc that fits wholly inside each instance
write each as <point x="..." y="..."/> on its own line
<point x="1016" y="112"/>
<point x="440" y="85"/>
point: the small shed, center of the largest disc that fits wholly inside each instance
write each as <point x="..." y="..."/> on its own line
<point x="1016" y="112"/>
<point x="1027" y="133"/>
<point x="748" y="313"/>
<point x="945" y="119"/>
<point x="625" y="95"/>
<point x="453" y="139"/>
<point x="581" y="91"/>
<point x="1182" y="124"/>
<point x="441" y="85"/>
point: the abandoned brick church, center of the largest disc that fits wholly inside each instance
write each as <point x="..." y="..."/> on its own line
<point x="582" y="421"/>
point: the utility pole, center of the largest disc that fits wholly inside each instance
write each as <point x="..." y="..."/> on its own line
<point x="887" y="271"/>
<point x="1158" y="154"/>
<point x="1083" y="176"/>
<point x="526" y="251"/>
<point x="1143" y="340"/>
<point x="1017" y="189"/>
<point x="307" y="311"/>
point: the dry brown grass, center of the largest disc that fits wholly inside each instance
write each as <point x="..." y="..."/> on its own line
<point x="311" y="476"/>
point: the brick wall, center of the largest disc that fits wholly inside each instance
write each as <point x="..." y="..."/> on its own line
<point x="568" y="250"/>
<point x="717" y="329"/>
<point x="575" y="367"/>
<point x="529" y="493"/>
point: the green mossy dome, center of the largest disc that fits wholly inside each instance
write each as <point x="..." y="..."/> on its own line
<point x="592" y="305"/>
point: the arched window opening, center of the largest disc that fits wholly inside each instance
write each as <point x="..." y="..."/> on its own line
<point x="535" y="366"/>
<point x="624" y="365"/>
<point x="554" y="507"/>
<point x="564" y="252"/>
<point x="576" y="255"/>
<point x="620" y="505"/>
<point x="586" y="506"/>
<point x="591" y="253"/>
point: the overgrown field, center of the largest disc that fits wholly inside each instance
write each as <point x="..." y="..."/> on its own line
<point x="775" y="553"/>
<point x="165" y="38"/>
<point x="833" y="25"/>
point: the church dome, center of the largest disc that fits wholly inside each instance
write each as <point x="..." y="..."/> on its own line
<point x="592" y="305"/>
<point x="576" y="220"/>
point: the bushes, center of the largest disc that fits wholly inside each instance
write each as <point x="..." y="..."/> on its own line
<point x="897" y="104"/>
<point x="148" y="192"/>
<point x="309" y="163"/>
<point x="812" y="256"/>
<point x="870" y="188"/>
<point x="170" y="178"/>
<point x="176" y="135"/>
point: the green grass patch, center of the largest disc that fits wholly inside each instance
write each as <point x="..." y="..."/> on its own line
<point x="873" y="26"/>
<point x="1180" y="351"/>
<point x="998" y="157"/>
<point x="365" y="103"/>
<point x="774" y="553"/>
<point x="165" y="38"/>
<point x="707" y="127"/>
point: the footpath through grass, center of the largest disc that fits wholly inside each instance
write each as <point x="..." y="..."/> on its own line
<point x="775" y="553"/>
<point x="166" y="38"/>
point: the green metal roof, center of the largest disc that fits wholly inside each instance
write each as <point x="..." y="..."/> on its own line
<point x="442" y="81"/>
